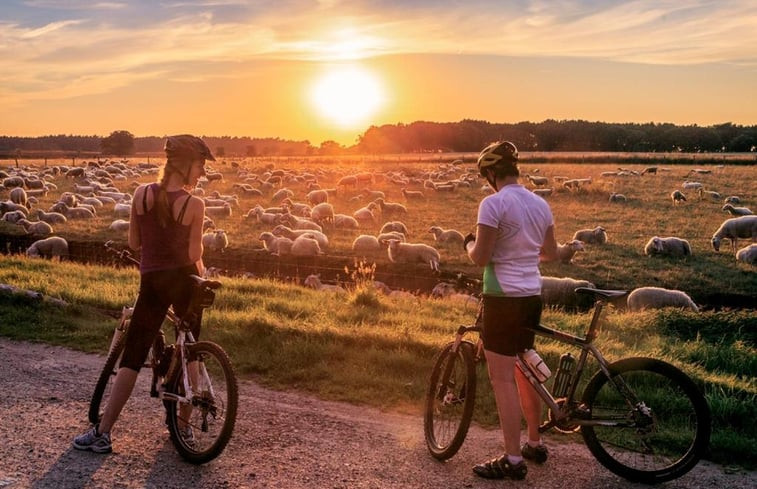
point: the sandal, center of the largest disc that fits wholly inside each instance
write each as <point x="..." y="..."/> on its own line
<point x="500" y="468"/>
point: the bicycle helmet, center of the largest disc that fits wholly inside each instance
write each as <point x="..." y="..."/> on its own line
<point x="498" y="153"/>
<point x="187" y="147"/>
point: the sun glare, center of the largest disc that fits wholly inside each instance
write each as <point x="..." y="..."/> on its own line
<point x="347" y="96"/>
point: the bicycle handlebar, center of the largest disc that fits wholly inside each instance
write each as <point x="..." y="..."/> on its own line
<point x="124" y="255"/>
<point x="462" y="280"/>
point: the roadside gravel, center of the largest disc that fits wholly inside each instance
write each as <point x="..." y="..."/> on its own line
<point x="281" y="440"/>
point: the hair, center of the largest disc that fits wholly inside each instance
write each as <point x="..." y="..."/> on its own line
<point x="161" y="200"/>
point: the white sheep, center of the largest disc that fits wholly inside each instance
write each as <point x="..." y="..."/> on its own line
<point x="38" y="228"/>
<point x="710" y="194"/>
<point x="537" y="181"/>
<point x="407" y="252"/>
<point x="692" y="185"/>
<point x="735" y="228"/>
<point x="120" y="225"/>
<point x="13" y="216"/>
<point x="543" y="192"/>
<point x="365" y="243"/>
<point x="365" y="215"/>
<point x="677" y="197"/>
<point x="306" y="245"/>
<point x="51" y="217"/>
<point x="748" y="254"/>
<point x="566" y="251"/>
<point x="390" y="208"/>
<point x="218" y="211"/>
<point x="322" y="213"/>
<point x="18" y="196"/>
<point x="72" y="212"/>
<point x="277" y="245"/>
<point x="295" y="222"/>
<point x="8" y="206"/>
<point x="560" y="292"/>
<point x="121" y="210"/>
<point x="732" y="199"/>
<point x="396" y="226"/>
<point x="343" y="221"/>
<point x="216" y="240"/>
<point x="54" y="246"/>
<point x="598" y="235"/>
<point x="451" y="236"/>
<point x="282" y="194"/>
<point x="314" y="282"/>
<point x="670" y="246"/>
<point x="412" y="194"/>
<point x="737" y="211"/>
<point x="658" y="298"/>
<point x="317" y="196"/>
<point x="293" y="234"/>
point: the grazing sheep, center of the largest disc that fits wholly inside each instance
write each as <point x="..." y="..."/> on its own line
<point x="670" y="246"/>
<point x="13" y="217"/>
<point x="652" y="170"/>
<point x="37" y="228"/>
<point x="598" y="235"/>
<point x="737" y="211"/>
<point x="732" y="199"/>
<point x="216" y="240"/>
<point x="260" y="215"/>
<point x="314" y="282"/>
<point x="537" y="181"/>
<point x="692" y="185"/>
<point x="617" y="197"/>
<point x="296" y="208"/>
<point x="51" y="217"/>
<point x="384" y="238"/>
<point x="390" y="208"/>
<point x="412" y="194"/>
<point x="566" y="251"/>
<point x="18" y="196"/>
<point x="299" y="222"/>
<point x="120" y="225"/>
<point x="561" y="292"/>
<point x="121" y="210"/>
<point x="735" y="228"/>
<point x="372" y="194"/>
<point x="306" y="245"/>
<point x="748" y="254"/>
<point x="322" y="213"/>
<point x="342" y="221"/>
<point x="281" y="230"/>
<point x="317" y="196"/>
<point x="282" y="194"/>
<point x="677" y="197"/>
<point x="277" y="245"/>
<point x="543" y="192"/>
<point x="365" y="215"/>
<point x="218" y="211"/>
<point x="365" y="243"/>
<point x="8" y="206"/>
<point x="446" y="235"/>
<point x="350" y="180"/>
<point x="54" y="246"/>
<point x="658" y="298"/>
<point x="12" y="182"/>
<point x="408" y="252"/>
<point x="72" y="212"/>
<point x="397" y="226"/>
<point x="711" y="194"/>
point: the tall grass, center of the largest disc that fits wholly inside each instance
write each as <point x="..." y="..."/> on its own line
<point x="363" y="347"/>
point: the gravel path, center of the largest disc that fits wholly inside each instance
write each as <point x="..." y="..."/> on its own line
<point x="282" y="440"/>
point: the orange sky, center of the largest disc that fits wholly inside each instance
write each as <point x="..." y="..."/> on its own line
<point x="228" y="68"/>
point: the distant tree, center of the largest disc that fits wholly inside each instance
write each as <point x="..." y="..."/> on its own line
<point x="251" y="150"/>
<point x="220" y="151"/>
<point x="120" y="143"/>
<point x="330" y="148"/>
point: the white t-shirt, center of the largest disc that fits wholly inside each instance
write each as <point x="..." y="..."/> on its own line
<point x="521" y="219"/>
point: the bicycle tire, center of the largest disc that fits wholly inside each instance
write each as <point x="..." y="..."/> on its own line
<point x="214" y="406"/>
<point x="450" y="398"/>
<point x="648" y="450"/>
<point x="104" y="383"/>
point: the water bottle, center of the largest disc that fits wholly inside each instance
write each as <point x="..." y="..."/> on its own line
<point x="536" y="365"/>
<point x="564" y="375"/>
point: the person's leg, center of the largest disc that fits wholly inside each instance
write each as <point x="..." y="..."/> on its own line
<point x="502" y="377"/>
<point x="122" y="387"/>
<point x="530" y="403"/>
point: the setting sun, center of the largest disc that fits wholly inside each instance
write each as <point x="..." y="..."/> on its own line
<point x="347" y="96"/>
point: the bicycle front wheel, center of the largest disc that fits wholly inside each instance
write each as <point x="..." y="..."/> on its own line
<point x="656" y="439"/>
<point x="105" y="381"/>
<point x="449" y="400"/>
<point x="201" y="429"/>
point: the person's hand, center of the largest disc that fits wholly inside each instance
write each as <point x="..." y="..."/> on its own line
<point x="469" y="238"/>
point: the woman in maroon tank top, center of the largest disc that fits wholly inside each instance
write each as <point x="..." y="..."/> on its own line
<point x="166" y="228"/>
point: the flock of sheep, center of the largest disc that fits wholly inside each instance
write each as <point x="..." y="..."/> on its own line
<point x="297" y="215"/>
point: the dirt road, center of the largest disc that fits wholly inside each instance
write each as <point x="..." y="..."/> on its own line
<point x="282" y="440"/>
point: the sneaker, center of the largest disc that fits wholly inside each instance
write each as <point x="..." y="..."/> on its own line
<point x="96" y="442"/>
<point x="188" y="436"/>
<point x="500" y="468"/>
<point x="538" y="453"/>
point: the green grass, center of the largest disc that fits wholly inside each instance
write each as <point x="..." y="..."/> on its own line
<point x="361" y="347"/>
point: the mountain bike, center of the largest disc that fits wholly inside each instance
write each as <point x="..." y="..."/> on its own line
<point x="642" y="418"/>
<point x="194" y="379"/>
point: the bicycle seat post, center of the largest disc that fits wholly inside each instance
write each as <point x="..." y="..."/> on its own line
<point x="591" y="334"/>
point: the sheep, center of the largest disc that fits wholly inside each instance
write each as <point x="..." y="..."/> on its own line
<point x="51" y="247"/>
<point x="614" y="197"/>
<point x="18" y="196"/>
<point x="318" y="196"/>
<point x="691" y="185"/>
<point x="282" y="194"/>
<point x="670" y="246"/>
<point x="734" y="228"/>
<point x="405" y="252"/>
<point x="537" y="181"/>
<point x="748" y="254"/>
<point x="383" y="238"/>
<point x="13" y="217"/>
<point x="658" y="298"/>
<point x="51" y="217"/>
<point x="216" y="240"/>
<point x="412" y="194"/>
<point x="598" y="235"/>
<point x="543" y="192"/>
<point x="259" y="214"/>
<point x="365" y="215"/>
<point x="120" y="225"/>
<point x="737" y="211"/>
<point x="652" y="170"/>
<point x="566" y="251"/>
<point x="299" y="223"/>
<point x="218" y="211"/>
<point x="277" y="245"/>
<point x="342" y="221"/>
<point x="350" y="180"/>
<point x="296" y="208"/>
<point x="365" y="243"/>
<point x="38" y="228"/>
<point x="281" y="230"/>
<point x="373" y="194"/>
<point x="314" y="281"/>
<point x="8" y="206"/>
<point x="72" y="212"/>
<point x="322" y="213"/>
<point x="711" y="194"/>
<point x="677" y="197"/>
<point x="397" y="226"/>
<point x="390" y="208"/>
<point x="560" y="292"/>
<point x="121" y="210"/>
<point x="446" y="235"/>
<point x="732" y="199"/>
<point x="306" y="245"/>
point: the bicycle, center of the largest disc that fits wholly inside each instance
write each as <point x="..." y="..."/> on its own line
<point x="642" y="418"/>
<point x="194" y="379"/>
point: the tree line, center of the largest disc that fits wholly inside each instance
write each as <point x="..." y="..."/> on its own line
<point x="429" y="137"/>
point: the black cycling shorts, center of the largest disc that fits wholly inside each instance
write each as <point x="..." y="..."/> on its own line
<point x="157" y="291"/>
<point x="506" y="320"/>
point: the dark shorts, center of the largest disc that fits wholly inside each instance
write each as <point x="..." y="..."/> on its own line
<point x="506" y="320"/>
<point x="157" y="291"/>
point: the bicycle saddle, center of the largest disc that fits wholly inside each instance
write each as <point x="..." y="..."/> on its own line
<point x="601" y="293"/>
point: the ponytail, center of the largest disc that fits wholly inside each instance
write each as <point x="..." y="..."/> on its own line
<point x="161" y="200"/>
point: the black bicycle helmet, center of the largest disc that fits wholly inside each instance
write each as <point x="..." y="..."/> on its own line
<point x="496" y="154"/>
<point x="187" y="147"/>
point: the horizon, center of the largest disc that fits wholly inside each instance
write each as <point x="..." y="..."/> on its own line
<point x="330" y="70"/>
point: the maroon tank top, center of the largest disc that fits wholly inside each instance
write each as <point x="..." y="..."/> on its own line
<point x="163" y="248"/>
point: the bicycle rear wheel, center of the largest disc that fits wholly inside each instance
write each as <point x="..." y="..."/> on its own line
<point x="105" y="381"/>
<point x="655" y="446"/>
<point x="449" y="400"/>
<point x="211" y="416"/>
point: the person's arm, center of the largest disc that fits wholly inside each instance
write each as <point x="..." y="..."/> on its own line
<point x="197" y="209"/>
<point x="135" y="241"/>
<point x="481" y="249"/>
<point x="549" y="247"/>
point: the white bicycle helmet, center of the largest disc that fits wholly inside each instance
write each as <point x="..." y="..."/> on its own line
<point x="497" y="153"/>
